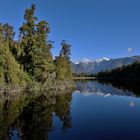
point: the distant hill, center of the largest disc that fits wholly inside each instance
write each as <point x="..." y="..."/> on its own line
<point x="93" y="67"/>
<point x="131" y="72"/>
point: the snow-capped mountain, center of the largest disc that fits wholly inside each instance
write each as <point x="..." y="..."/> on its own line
<point x="84" y="60"/>
<point x="89" y="66"/>
<point x="88" y="61"/>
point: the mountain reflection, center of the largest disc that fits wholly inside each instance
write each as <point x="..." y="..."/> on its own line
<point x="106" y="88"/>
<point x="27" y="118"/>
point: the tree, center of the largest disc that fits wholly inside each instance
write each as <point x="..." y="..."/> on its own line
<point x="27" y="38"/>
<point x="36" y="56"/>
<point x="7" y="35"/>
<point x="8" y="32"/>
<point x="29" y="58"/>
<point x="63" y="62"/>
<point x="10" y="71"/>
<point x="65" y="51"/>
<point x="42" y="58"/>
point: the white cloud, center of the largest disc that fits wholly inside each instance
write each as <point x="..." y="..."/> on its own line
<point x="130" y="50"/>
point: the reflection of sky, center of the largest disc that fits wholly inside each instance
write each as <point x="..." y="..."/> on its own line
<point x="97" y="118"/>
<point x="14" y="134"/>
<point x="94" y="87"/>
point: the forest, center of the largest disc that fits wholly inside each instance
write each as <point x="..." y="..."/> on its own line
<point x="130" y="72"/>
<point x="28" y="61"/>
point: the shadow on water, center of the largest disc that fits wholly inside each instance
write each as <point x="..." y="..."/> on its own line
<point x="31" y="117"/>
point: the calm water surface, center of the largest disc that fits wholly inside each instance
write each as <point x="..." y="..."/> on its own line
<point x="94" y="111"/>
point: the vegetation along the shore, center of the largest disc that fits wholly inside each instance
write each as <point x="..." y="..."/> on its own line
<point x="28" y="61"/>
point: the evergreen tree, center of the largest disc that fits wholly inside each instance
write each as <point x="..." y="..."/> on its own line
<point x="43" y="64"/>
<point x="63" y="62"/>
<point x="7" y="35"/>
<point x="10" y="71"/>
<point x="65" y="51"/>
<point x="36" y="55"/>
<point x="27" y="38"/>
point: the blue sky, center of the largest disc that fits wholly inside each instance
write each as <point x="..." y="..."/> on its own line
<point x="95" y="28"/>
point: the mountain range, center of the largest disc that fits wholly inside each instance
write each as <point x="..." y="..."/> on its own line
<point x="89" y="66"/>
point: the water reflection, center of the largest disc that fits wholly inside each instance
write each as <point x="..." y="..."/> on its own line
<point x="39" y="117"/>
<point x="31" y="118"/>
<point x="131" y="104"/>
<point x="106" y="88"/>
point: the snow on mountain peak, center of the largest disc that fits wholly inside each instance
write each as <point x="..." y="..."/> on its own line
<point x="84" y="60"/>
<point x="102" y="59"/>
<point x="107" y="59"/>
<point x="87" y="61"/>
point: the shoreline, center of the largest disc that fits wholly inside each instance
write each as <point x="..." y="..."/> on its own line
<point x="84" y="78"/>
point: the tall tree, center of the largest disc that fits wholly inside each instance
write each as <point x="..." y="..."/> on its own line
<point x="27" y="38"/>
<point x="42" y="58"/>
<point x="7" y="34"/>
<point x="63" y="62"/>
<point x="65" y="51"/>
<point x="10" y="71"/>
<point x="36" y="54"/>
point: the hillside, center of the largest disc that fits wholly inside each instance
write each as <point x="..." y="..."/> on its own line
<point x="131" y="72"/>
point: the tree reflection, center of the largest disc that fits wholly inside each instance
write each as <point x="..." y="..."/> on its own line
<point x="125" y="85"/>
<point x="27" y="118"/>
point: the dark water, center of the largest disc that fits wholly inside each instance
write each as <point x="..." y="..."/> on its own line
<point x="94" y="111"/>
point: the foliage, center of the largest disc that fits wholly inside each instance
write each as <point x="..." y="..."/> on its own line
<point x="63" y="62"/>
<point x="10" y="71"/>
<point x="29" y="59"/>
<point x="125" y="72"/>
<point x="65" y="51"/>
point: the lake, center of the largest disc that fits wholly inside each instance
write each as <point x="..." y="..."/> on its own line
<point x="93" y="111"/>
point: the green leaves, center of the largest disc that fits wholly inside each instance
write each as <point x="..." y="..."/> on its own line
<point x="29" y="58"/>
<point x="36" y="54"/>
<point x="10" y="71"/>
<point x="63" y="62"/>
<point x="6" y="32"/>
<point x="65" y="52"/>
